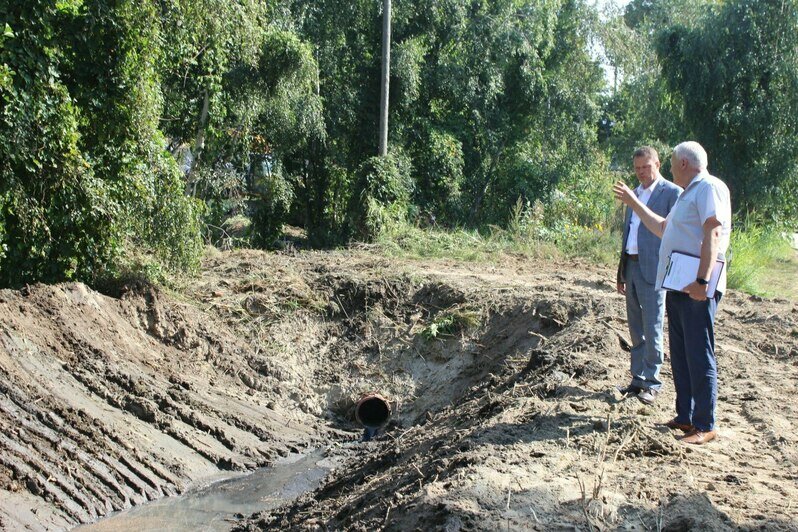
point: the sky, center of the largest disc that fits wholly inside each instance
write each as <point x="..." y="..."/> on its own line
<point x="619" y="3"/>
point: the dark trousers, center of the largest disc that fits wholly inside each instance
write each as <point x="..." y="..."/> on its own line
<point x="691" y="331"/>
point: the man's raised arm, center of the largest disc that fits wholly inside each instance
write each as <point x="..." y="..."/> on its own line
<point x="652" y="221"/>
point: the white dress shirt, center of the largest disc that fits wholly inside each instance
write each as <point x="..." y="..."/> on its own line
<point x="644" y="194"/>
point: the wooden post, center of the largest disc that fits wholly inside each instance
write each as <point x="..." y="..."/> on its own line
<point x="386" y="76"/>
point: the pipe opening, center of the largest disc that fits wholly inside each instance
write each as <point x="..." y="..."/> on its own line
<point x="373" y="411"/>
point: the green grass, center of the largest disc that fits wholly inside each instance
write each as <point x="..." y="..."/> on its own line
<point x="762" y="261"/>
<point x="449" y="322"/>
<point x="404" y="240"/>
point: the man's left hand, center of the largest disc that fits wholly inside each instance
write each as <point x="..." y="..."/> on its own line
<point x="696" y="291"/>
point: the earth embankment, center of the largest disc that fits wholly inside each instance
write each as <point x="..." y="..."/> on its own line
<point x="500" y="377"/>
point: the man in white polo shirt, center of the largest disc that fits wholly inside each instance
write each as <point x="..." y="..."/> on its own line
<point x="699" y="224"/>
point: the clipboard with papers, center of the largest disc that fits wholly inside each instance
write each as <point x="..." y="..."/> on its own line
<point x="682" y="269"/>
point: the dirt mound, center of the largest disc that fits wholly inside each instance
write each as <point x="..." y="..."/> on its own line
<point x="111" y="402"/>
<point x="500" y="377"/>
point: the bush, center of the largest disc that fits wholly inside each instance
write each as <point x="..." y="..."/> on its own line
<point x="439" y="174"/>
<point x="272" y="197"/>
<point x="170" y="227"/>
<point x="381" y="191"/>
<point x="57" y="217"/>
<point x="223" y="191"/>
<point x="84" y="172"/>
<point x="754" y="249"/>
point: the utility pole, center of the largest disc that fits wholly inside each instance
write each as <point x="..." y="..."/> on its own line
<point x="386" y="75"/>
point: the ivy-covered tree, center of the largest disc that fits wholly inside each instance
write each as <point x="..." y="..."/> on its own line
<point x="84" y="177"/>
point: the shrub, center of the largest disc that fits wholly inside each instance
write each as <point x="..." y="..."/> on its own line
<point x="272" y="197"/>
<point x="439" y="174"/>
<point x="753" y="251"/>
<point x="382" y="189"/>
<point x="223" y="191"/>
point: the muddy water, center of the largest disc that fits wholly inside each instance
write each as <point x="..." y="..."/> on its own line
<point x="214" y="507"/>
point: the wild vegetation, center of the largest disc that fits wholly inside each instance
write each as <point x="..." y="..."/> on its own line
<point x="133" y="132"/>
<point x="472" y="281"/>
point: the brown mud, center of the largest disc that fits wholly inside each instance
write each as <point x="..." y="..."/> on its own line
<point x="501" y="379"/>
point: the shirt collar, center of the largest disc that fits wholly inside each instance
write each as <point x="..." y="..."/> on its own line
<point x="703" y="174"/>
<point x="651" y="187"/>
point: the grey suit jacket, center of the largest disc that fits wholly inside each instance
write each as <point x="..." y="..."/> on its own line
<point x="661" y="202"/>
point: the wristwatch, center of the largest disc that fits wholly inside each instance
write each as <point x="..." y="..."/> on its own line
<point x="701" y="281"/>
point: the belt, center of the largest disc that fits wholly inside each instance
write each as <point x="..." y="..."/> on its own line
<point x="633" y="257"/>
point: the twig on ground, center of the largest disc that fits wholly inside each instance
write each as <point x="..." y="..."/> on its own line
<point x="626" y="441"/>
<point x="585" y="505"/>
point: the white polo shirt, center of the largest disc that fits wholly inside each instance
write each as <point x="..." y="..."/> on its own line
<point x="705" y="196"/>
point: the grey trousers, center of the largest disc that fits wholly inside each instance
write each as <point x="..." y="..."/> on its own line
<point x="645" y="312"/>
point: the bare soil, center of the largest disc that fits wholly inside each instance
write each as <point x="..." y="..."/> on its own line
<point x="501" y="378"/>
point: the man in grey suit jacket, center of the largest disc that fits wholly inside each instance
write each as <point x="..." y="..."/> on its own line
<point x="637" y="275"/>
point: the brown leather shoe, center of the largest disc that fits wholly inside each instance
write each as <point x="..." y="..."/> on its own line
<point x="698" y="437"/>
<point x="675" y="425"/>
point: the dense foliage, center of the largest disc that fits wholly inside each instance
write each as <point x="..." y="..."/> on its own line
<point x="132" y="131"/>
<point x="83" y="171"/>
<point x="95" y="95"/>
<point x="490" y="101"/>
<point x="722" y="73"/>
<point x="737" y="74"/>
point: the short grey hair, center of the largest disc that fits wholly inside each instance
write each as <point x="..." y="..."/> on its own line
<point x="693" y="152"/>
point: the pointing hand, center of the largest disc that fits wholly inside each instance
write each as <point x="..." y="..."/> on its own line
<point x="623" y="193"/>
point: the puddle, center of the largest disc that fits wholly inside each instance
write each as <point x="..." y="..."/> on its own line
<point x="214" y="507"/>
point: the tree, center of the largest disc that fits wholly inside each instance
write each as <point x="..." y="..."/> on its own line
<point x="471" y="82"/>
<point x="737" y="76"/>
<point x="643" y="110"/>
<point x="84" y="177"/>
<point x="241" y="94"/>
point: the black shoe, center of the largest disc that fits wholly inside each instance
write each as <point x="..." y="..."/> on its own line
<point x="629" y="390"/>
<point x="647" y="396"/>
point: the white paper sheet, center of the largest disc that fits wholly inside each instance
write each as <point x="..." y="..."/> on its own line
<point x="683" y="269"/>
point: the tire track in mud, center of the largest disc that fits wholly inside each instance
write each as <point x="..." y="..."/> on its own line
<point x="98" y="414"/>
<point x="46" y="456"/>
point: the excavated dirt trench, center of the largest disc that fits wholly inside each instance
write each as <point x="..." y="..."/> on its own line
<point x="500" y="380"/>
